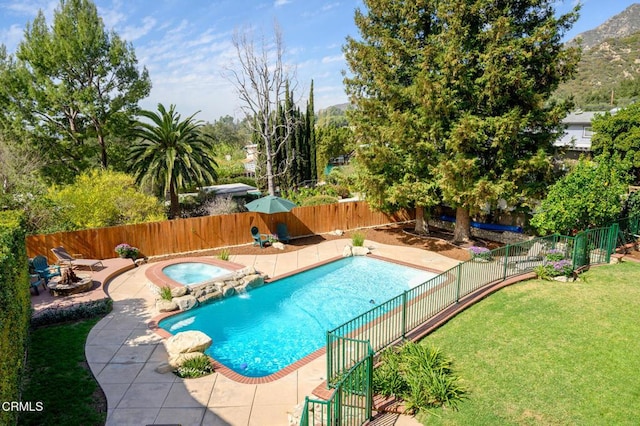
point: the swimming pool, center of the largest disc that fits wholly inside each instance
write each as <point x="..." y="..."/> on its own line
<point x="189" y="273"/>
<point x="261" y="332"/>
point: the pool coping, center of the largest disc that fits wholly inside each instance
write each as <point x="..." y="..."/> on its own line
<point x="153" y="324"/>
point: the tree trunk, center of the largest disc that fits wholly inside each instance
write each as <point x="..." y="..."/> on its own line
<point x="463" y="225"/>
<point x="422" y="226"/>
<point x="174" y="210"/>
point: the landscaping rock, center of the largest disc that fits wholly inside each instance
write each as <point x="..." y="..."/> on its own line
<point x="163" y="305"/>
<point x="228" y="290"/>
<point x="347" y="251"/>
<point x="179" y="291"/>
<point x="211" y="296"/>
<point x="186" y="302"/>
<point x="278" y="245"/>
<point x="253" y="281"/>
<point x="360" y="251"/>
<point x="187" y="341"/>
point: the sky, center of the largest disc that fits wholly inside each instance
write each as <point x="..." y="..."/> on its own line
<point x="186" y="44"/>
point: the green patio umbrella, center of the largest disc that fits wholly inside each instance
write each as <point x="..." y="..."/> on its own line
<point x="270" y="204"/>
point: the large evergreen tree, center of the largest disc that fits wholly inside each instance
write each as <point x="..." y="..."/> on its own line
<point x="451" y="100"/>
<point x="72" y="85"/>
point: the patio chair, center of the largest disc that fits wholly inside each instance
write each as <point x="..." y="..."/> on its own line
<point x="34" y="281"/>
<point x="64" y="258"/>
<point x="282" y="232"/>
<point x="42" y="268"/>
<point x="534" y="257"/>
<point x="258" y="238"/>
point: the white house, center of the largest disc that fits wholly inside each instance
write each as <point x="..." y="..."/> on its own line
<point x="577" y="136"/>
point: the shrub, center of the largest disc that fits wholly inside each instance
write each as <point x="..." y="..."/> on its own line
<point x="420" y="375"/>
<point x="224" y="254"/>
<point x="480" y="253"/>
<point x="195" y="367"/>
<point x="555" y="265"/>
<point x="357" y="239"/>
<point x="319" y="200"/>
<point x="15" y="308"/>
<point x="126" y="251"/>
<point x="165" y="293"/>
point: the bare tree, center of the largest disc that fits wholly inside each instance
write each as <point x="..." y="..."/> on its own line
<point x="262" y="81"/>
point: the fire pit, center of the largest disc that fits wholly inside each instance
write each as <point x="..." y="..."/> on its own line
<point x="69" y="283"/>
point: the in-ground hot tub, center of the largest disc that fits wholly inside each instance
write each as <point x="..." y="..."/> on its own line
<point x="190" y="271"/>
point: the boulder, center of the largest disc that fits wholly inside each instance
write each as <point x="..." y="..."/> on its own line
<point x="228" y="290"/>
<point x="253" y="281"/>
<point x="360" y="251"/>
<point x="179" y="291"/>
<point x="165" y="368"/>
<point x="210" y="296"/>
<point x="347" y="251"/>
<point x="186" y="302"/>
<point x="187" y="341"/>
<point x="163" y="305"/>
<point x="278" y="245"/>
<point x="249" y="270"/>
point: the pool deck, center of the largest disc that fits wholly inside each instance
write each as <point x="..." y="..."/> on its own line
<point x="123" y="353"/>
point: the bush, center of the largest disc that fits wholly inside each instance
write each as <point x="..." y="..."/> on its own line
<point x="357" y="239"/>
<point x="126" y="251"/>
<point x="195" y="367"/>
<point x="319" y="200"/>
<point x="165" y="293"/>
<point x="15" y="308"/>
<point x="480" y="253"/>
<point x="555" y="265"/>
<point x="420" y="375"/>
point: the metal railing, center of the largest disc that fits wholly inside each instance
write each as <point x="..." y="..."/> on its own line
<point x="358" y="340"/>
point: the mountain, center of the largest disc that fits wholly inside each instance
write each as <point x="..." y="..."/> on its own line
<point x="621" y="25"/>
<point x="609" y="70"/>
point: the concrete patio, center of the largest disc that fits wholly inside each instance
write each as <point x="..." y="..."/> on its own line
<point x="123" y="353"/>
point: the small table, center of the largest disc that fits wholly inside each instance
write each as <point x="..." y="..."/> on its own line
<point x="58" y="289"/>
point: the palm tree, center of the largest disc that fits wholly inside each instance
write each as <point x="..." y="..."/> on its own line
<point x="171" y="153"/>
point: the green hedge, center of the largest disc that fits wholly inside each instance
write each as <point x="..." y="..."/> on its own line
<point x="15" y="309"/>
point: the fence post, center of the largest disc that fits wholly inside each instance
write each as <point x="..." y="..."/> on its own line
<point x="613" y="239"/>
<point x="370" y="385"/>
<point x="506" y="262"/>
<point x="404" y="313"/>
<point x="458" y="289"/>
<point x="329" y="359"/>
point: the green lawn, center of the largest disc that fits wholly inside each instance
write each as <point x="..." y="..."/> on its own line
<point x="57" y="375"/>
<point x="542" y="352"/>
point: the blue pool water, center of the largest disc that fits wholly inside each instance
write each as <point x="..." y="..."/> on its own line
<point x="189" y="273"/>
<point x="263" y="331"/>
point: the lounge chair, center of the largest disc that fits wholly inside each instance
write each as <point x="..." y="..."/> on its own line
<point x="42" y="268"/>
<point x="64" y="258"/>
<point x="534" y="257"/>
<point x="282" y="232"/>
<point x="258" y="238"/>
<point x="34" y="281"/>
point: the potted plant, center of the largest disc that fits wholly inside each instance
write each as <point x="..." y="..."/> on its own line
<point x="125" y="251"/>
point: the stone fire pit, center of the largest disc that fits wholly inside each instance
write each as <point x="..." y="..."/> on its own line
<point x="70" y="283"/>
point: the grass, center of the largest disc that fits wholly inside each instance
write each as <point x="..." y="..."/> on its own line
<point x="543" y="352"/>
<point x="57" y="375"/>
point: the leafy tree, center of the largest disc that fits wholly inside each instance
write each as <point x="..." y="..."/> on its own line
<point x="100" y="198"/>
<point x="589" y="196"/>
<point x="171" y="153"/>
<point x="619" y="134"/>
<point x="450" y="101"/>
<point x="72" y="86"/>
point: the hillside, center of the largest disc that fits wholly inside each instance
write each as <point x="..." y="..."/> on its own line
<point x="619" y="26"/>
<point x="609" y="69"/>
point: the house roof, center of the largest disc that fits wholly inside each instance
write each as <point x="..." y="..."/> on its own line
<point x="581" y="117"/>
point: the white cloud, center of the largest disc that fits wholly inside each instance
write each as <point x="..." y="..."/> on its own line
<point x="279" y="3"/>
<point x="134" y="32"/>
<point x="330" y="6"/>
<point x="11" y="37"/>
<point x="335" y="58"/>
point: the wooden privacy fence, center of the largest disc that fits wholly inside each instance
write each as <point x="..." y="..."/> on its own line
<point x="201" y="233"/>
